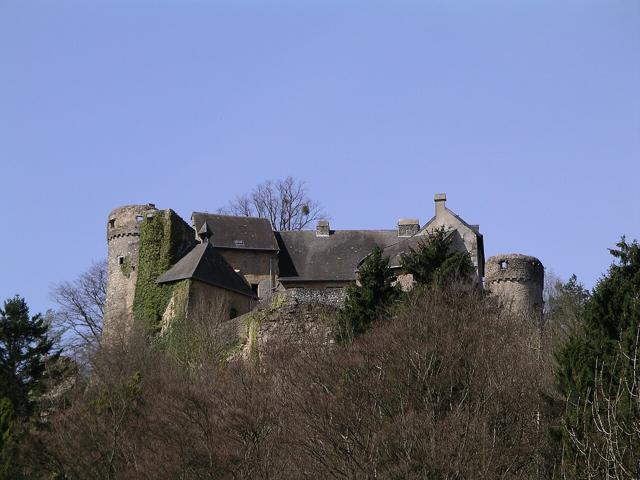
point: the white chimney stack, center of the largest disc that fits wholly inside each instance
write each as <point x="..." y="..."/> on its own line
<point x="440" y="199"/>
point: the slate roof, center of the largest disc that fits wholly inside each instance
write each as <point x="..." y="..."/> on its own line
<point x="203" y="263"/>
<point x="244" y="233"/>
<point x="395" y="251"/>
<point x="306" y="257"/>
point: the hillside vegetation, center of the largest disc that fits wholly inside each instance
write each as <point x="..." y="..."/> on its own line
<point x="437" y="383"/>
<point x="448" y="387"/>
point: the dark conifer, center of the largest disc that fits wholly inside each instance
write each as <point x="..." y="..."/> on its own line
<point x="368" y="300"/>
<point x="25" y="347"/>
<point x="433" y="263"/>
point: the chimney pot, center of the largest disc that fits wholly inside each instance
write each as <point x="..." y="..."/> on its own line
<point x="407" y="227"/>
<point x="440" y="200"/>
<point x="322" y="228"/>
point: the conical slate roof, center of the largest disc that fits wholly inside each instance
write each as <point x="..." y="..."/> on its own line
<point x="203" y="263"/>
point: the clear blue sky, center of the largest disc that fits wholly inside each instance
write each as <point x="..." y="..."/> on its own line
<point x="526" y="113"/>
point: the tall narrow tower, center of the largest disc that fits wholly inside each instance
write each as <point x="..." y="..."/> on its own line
<point x="123" y="238"/>
<point x="517" y="280"/>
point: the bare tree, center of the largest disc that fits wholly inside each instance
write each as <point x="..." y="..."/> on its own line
<point x="284" y="202"/>
<point x="81" y="308"/>
<point x="608" y="441"/>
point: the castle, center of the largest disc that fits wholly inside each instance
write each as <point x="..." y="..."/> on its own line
<point x="160" y="268"/>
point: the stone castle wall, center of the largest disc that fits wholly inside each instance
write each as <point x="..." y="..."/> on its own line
<point x="517" y="280"/>
<point x="123" y="240"/>
<point x="333" y="297"/>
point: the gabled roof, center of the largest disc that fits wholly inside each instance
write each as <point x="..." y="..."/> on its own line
<point x="244" y="233"/>
<point x="203" y="263"/>
<point x="475" y="228"/>
<point x="307" y="257"/>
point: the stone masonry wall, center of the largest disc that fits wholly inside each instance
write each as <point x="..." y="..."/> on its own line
<point x="517" y="280"/>
<point x="318" y="296"/>
<point x="123" y="237"/>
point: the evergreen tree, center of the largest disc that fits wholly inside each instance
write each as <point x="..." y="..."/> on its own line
<point x="433" y="262"/>
<point x="366" y="301"/>
<point x="8" y="441"/>
<point x="565" y="309"/>
<point x="24" y="348"/>
<point x="604" y="344"/>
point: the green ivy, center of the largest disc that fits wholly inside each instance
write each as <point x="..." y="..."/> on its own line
<point x="163" y="240"/>
<point x="278" y="300"/>
<point x="125" y="266"/>
<point x="175" y="339"/>
<point x="252" y="322"/>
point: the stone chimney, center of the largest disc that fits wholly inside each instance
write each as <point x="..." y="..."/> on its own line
<point x="407" y="227"/>
<point x="322" y="228"/>
<point x="440" y="199"/>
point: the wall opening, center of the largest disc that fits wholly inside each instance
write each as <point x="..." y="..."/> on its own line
<point x="233" y="313"/>
<point x="112" y="223"/>
<point x="503" y="265"/>
<point x="120" y="260"/>
<point x="139" y="218"/>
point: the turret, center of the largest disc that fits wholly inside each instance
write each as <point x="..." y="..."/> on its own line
<point x="517" y="280"/>
<point x="123" y="235"/>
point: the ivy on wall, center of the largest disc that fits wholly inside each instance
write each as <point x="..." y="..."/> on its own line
<point x="175" y="337"/>
<point x="125" y="266"/>
<point x="164" y="238"/>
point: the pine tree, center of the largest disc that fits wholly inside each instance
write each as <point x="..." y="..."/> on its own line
<point x="368" y="300"/>
<point x="24" y="348"/>
<point x="8" y="441"/>
<point x="565" y="309"/>
<point x="599" y="356"/>
<point x="433" y="262"/>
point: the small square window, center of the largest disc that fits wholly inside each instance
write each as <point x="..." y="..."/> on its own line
<point x="503" y="265"/>
<point x="139" y="218"/>
<point x="120" y="260"/>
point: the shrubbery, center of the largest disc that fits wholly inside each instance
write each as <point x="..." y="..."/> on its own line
<point x="443" y="385"/>
<point x="447" y="388"/>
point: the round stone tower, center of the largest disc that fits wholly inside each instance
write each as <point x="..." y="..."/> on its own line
<point x="123" y="236"/>
<point x="517" y="280"/>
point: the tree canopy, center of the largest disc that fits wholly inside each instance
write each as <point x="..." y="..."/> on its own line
<point x="597" y="374"/>
<point x="434" y="263"/>
<point x="366" y="300"/>
<point x="25" y="347"/>
<point x="284" y="202"/>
